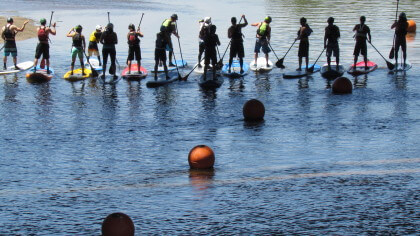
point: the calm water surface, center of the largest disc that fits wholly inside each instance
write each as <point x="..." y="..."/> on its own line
<point x="72" y="153"/>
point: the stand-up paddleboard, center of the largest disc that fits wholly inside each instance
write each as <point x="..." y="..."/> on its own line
<point x="109" y="79"/>
<point x="77" y="75"/>
<point x="200" y="69"/>
<point x="95" y="64"/>
<point x="261" y="65"/>
<point x="400" y="67"/>
<point x="210" y="82"/>
<point x="40" y="75"/>
<point x="360" y="68"/>
<point x="22" y="67"/>
<point x="332" y="72"/>
<point x="302" y="72"/>
<point x="134" y="72"/>
<point x="180" y="63"/>
<point x="162" y="80"/>
<point x="235" y="70"/>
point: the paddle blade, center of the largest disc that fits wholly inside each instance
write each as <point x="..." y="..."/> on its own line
<point x="94" y="73"/>
<point x="279" y="63"/>
<point x="311" y="69"/>
<point x="391" y="53"/>
<point x="390" y="65"/>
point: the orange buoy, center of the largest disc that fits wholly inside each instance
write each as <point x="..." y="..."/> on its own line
<point x="411" y="26"/>
<point x="253" y="110"/>
<point x="342" y="85"/>
<point x="118" y="224"/>
<point x="201" y="157"/>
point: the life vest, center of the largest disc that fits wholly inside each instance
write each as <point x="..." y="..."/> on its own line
<point x="8" y="34"/>
<point x="235" y="33"/>
<point x="166" y="26"/>
<point x="133" y="38"/>
<point x="77" y="40"/>
<point x="263" y="29"/>
<point x="42" y="34"/>
<point x="95" y="36"/>
<point x="360" y="32"/>
<point x="204" y="31"/>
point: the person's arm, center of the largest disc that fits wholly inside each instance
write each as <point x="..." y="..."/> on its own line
<point x="2" y="35"/>
<point x="22" y="28"/>
<point x="355" y="28"/>
<point x="101" y="40"/>
<point x="84" y="42"/>
<point x="325" y="38"/>
<point x="394" y="25"/>
<point x="115" y="38"/>
<point x="139" y="33"/>
<point x="174" y="30"/>
<point x="218" y="41"/>
<point x="338" y="33"/>
<point x="245" y="21"/>
<point x="369" y="36"/>
<point x="269" y="34"/>
<point x="256" y="24"/>
<point x="52" y="31"/>
<point x="70" y="33"/>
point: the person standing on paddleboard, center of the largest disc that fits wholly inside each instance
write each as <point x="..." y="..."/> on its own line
<point x="160" y="53"/>
<point x="8" y="34"/>
<point x="263" y="38"/>
<point x="211" y="41"/>
<point x="78" y="47"/>
<point x="109" y="39"/>
<point x="237" y="42"/>
<point x="204" y="30"/>
<point x="43" y="47"/>
<point x="400" y="40"/>
<point x="331" y="36"/>
<point x="133" y="41"/>
<point x="362" y="34"/>
<point x="303" y="35"/>
<point x="168" y="27"/>
<point x="94" y="38"/>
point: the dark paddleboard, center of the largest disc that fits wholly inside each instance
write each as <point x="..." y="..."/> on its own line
<point x="210" y="82"/>
<point x="162" y="80"/>
<point x="360" y="68"/>
<point x="40" y="75"/>
<point x="302" y="72"/>
<point x="332" y="72"/>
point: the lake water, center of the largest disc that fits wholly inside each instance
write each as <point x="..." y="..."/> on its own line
<point x="72" y="153"/>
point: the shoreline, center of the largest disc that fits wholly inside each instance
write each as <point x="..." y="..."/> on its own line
<point x="30" y="29"/>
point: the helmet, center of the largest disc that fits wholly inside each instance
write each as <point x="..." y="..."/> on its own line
<point x="78" y="28"/>
<point x="207" y="20"/>
<point x="174" y="16"/>
<point x="10" y="20"/>
<point x="267" y="19"/>
<point x="110" y="26"/>
<point x="131" y="26"/>
<point x="98" y="27"/>
<point x="43" y="21"/>
<point x="330" y="20"/>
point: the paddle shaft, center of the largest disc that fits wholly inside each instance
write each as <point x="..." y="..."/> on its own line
<point x="393" y="49"/>
<point x="289" y="49"/>
<point x="318" y="58"/>
<point x="109" y="20"/>
<point x="389" y="64"/>
<point x="230" y="42"/>
<point x="179" y="45"/>
<point x="269" y="44"/>
<point x="142" y="14"/>
<point x="52" y="12"/>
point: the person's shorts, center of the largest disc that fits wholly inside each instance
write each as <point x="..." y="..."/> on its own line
<point x="303" y="49"/>
<point x="333" y="49"/>
<point x="237" y="49"/>
<point x="262" y="43"/>
<point x="201" y="47"/>
<point x="93" y="49"/>
<point x="400" y="42"/>
<point x="42" y="49"/>
<point x="76" y="52"/>
<point x="360" y="47"/>
<point x="210" y="55"/>
<point x="160" y="55"/>
<point x="134" y="51"/>
<point x="169" y="46"/>
<point x="12" y="51"/>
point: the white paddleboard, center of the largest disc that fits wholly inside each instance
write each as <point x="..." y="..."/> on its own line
<point x="200" y="70"/>
<point x="399" y="67"/>
<point x="23" y="66"/>
<point x="95" y="64"/>
<point x="261" y="65"/>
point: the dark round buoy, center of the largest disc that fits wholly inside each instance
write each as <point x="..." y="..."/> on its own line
<point x="201" y="157"/>
<point x="253" y="110"/>
<point x="118" y="224"/>
<point x="342" y="85"/>
<point x="412" y="27"/>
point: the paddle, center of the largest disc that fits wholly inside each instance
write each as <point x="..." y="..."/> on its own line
<point x="279" y="63"/>
<point x="392" y="52"/>
<point x="311" y="69"/>
<point x="186" y="77"/>
<point x="176" y="66"/>
<point x="389" y="64"/>
<point x="273" y="52"/>
<point x="94" y="72"/>
<point x="142" y="14"/>
<point x="219" y="65"/>
<point x="42" y="64"/>
<point x="1" y="48"/>
<point x="227" y="47"/>
<point x="109" y="20"/>
<point x="180" y="51"/>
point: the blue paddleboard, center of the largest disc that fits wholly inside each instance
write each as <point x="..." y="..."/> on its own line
<point x="235" y="69"/>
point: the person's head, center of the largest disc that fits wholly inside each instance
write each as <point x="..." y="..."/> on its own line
<point x="362" y="19"/>
<point x="330" y="20"/>
<point x="213" y="29"/>
<point x="233" y="20"/>
<point x="402" y="16"/>
<point x="10" y="20"/>
<point x="267" y="19"/>
<point x="43" y="21"/>
<point x="303" y="21"/>
<point x="98" y="28"/>
<point x="78" y="29"/>
<point x="110" y="27"/>
<point x="131" y="27"/>
<point x="174" y="17"/>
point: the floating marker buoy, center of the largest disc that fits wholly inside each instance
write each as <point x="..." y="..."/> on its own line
<point x="118" y="224"/>
<point x="411" y="26"/>
<point x="201" y="157"/>
<point x="253" y="110"/>
<point x="342" y="85"/>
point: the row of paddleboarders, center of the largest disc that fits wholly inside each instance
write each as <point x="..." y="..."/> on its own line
<point x="208" y="42"/>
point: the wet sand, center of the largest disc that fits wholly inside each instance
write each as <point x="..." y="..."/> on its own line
<point x="30" y="29"/>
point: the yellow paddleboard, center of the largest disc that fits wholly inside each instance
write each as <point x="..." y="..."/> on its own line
<point x="77" y="75"/>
